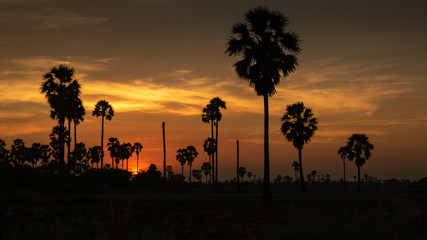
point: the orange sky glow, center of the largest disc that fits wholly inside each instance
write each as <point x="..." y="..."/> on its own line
<point x="362" y="69"/>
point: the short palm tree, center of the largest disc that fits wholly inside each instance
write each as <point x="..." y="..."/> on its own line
<point x="344" y="152"/>
<point x="295" y="166"/>
<point x="313" y="174"/>
<point x="206" y="169"/>
<point x="209" y="146"/>
<point x="268" y="51"/>
<point x="105" y="110"/>
<point x="299" y="126"/>
<point x="114" y="147"/>
<point x="359" y="149"/>
<point x="242" y="172"/>
<point x="190" y="155"/>
<point x="94" y="154"/>
<point x="137" y="148"/>
<point x="180" y="157"/>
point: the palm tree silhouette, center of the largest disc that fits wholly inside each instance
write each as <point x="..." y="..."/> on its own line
<point x="206" y="169"/>
<point x="263" y="42"/>
<point x="125" y="152"/>
<point x="59" y="96"/>
<point x="359" y="149"/>
<point x="114" y="147"/>
<point x="209" y="146"/>
<point x="249" y="174"/>
<point x="78" y="117"/>
<point x="313" y="173"/>
<point x="94" y="155"/>
<point x="242" y="172"/>
<point x="18" y="152"/>
<point x="75" y="111"/>
<point x="217" y="104"/>
<point x="137" y="148"/>
<point x="209" y="117"/>
<point x="299" y="126"/>
<point x="164" y="151"/>
<point x="190" y="154"/>
<point x="4" y="153"/>
<point x="344" y="152"/>
<point x="104" y="109"/>
<point x="295" y="166"/>
<point x="57" y="144"/>
<point x="180" y="157"/>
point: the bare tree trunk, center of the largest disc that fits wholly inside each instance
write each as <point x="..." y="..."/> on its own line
<point x="266" y="190"/>
<point x="301" y="175"/>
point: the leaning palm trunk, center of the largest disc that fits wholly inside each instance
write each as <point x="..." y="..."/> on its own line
<point x="266" y="191"/>
<point x="301" y="175"/>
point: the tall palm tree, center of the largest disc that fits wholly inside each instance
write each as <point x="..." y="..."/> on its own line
<point x="77" y="119"/>
<point x="137" y="148"/>
<point x="181" y="158"/>
<point x="190" y="154"/>
<point x="295" y="166"/>
<point x="344" y="152"/>
<point x="105" y="110"/>
<point x="268" y="51"/>
<point x="299" y="126"/>
<point x="208" y="116"/>
<point x="209" y="146"/>
<point x="217" y="104"/>
<point x="164" y="151"/>
<point x="359" y="149"/>
<point x="59" y="96"/>
<point x="75" y="110"/>
<point x="113" y="146"/>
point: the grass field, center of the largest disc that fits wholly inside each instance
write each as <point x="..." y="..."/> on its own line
<point x="199" y="213"/>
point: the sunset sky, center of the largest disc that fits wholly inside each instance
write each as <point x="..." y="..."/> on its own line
<point x="363" y="69"/>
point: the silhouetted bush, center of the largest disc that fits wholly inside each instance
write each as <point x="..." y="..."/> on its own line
<point x="147" y="179"/>
<point x="110" y="177"/>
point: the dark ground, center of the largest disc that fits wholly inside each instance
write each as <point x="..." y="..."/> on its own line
<point x="199" y="213"/>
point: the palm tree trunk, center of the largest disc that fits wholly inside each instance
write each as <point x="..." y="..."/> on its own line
<point x="237" y="169"/>
<point x="69" y="143"/>
<point x="266" y="191"/>
<point x="182" y="170"/>
<point x="358" y="179"/>
<point x="102" y="142"/>
<point x="137" y="160"/>
<point x="164" y="152"/>
<point x="210" y="172"/>
<point x="190" y="174"/>
<point x="216" y="154"/>
<point x="213" y="156"/>
<point x="127" y="164"/>
<point x="75" y="135"/>
<point x="61" y="148"/>
<point x="343" y="161"/>
<point x="301" y="175"/>
<point x="122" y="163"/>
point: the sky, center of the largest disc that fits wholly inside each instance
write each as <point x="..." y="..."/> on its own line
<point x="362" y="69"/>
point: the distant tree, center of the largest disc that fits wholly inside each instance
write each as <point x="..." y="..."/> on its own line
<point x="242" y="172"/>
<point x="295" y="166"/>
<point x="190" y="155"/>
<point x="18" y="152"/>
<point x="197" y="174"/>
<point x="169" y="172"/>
<point x="263" y="41"/>
<point x="125" y="152"/>
<point x="79" y="154"/>
<point x="4" y="153"/>
<point x="360" y="151"/>
<point x="180" y="157"/>
<point x="344" y="153"/>
<point x="56" y="144"/>
<point x="328" y="178"/>
<point x="249" y="174"/>
<point x="209" y="146"/>
<point x="105" y="110"/>
<point x="309" y="178"/>
<point x="206" y="169"/>
<point x="298" y="126"/>
<point x="217" y="104"/>
<point x="35" y="154"/>
<point x="94" y="155"/>
<point x="313" y="174"/>
<point x="45" y="153"/>
<point x="137" y="148"/>
<point x="114" y="148"/>
<point x="278" y="179"/>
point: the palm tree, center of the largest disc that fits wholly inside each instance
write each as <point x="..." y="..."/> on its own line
<point x="94" y="155"/>
<point x="209" y="146"/>
<point x="313" y="173"/>
<point x="206" y="168"/>
<point x="359" y="148"/>
<point x="344" y="152"/>
<point x="181" y="158"/>
<point x="114" y="147"/>
<point x="197" y="174"/>
<point x="18" y="152"/>
<point x="59" y="97"/>
<point x="4" y="153"/>
<point x="242" y="172"/>
<point x="217" y="104"/>
<point x="125" y="152"/>
<point x="263" y="42"/>
<point x="56" y="143"/>
<point x="295" y="166"/>
<point x="104" y="109"/>
<point x="299" y="126"/>
<point x="137" y="147"/>
<point x="249" y="174"/>
<point x="190" y="155"/>
<point x="77" y="119"/>
<point x="164" y="152"/>
<point x="75" y="111"/>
